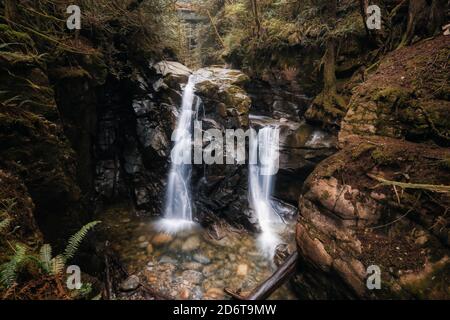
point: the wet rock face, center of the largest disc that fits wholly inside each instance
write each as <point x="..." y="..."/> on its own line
<point x="220" y="190"/>
<point x="348" y="222"/>
<point x="134" y="139"/>
<point x="271" y="100"/>
<point x="302" y="147"/>
<point x="224" y="98"/>
<point x="135" y="125"/>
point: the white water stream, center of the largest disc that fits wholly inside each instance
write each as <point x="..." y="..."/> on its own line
<point x="178" y="205"/>
<point x="263" y="166"/>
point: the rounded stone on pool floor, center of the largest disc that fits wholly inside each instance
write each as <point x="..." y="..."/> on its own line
<point x="232" y="257"/>
<point x="191" y="266"/>
<point x="184" y="294"/>
<point x="143" y="245"/>
<point x="200" y="258"/>
<point x="192" y="276"/>
<point x="149" y="248"/>
<point x="161" y="239"/>
<point x="214" y="294"/>
<point x="242" y="270"/>
<point x="130" y="284"/>
<point x="192" y="243"/>
<point x="167" y="259"/>
<point x="209" y="270"/>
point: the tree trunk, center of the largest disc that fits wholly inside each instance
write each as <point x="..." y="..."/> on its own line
<point x="364" y="4"/>
<point x="415" y="9"/>
<point x="276" y="280"/>
<point x="256" y="16"/>
<point x="437" y="16"/>
<point x="329" y="67"/>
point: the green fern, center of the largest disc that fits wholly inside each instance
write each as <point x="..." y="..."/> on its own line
<point x="8" y="270"/>
<point x="52" y="266"/>
<point x="76" y="239"/>
<point x="45" y="257"/>
<point x="57" y="265"/>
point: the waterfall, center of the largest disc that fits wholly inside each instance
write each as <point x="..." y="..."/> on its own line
<point x="262" y="170"/>
<point x="178" y="205"/>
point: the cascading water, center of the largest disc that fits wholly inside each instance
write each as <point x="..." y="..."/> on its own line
<point x="262" y="170"/>
<point x="178" y="208"/>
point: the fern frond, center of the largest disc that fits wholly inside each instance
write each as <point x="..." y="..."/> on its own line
<point x="8" y="270"/>
<point x="76" y="239"/>
<point x="45" y="256"/>
<point x="57" y="265"/>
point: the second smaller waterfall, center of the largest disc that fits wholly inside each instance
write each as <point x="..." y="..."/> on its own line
<point x="264" y="157"/>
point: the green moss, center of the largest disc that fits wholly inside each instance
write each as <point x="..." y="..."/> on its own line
<point x="381" y="157"/>
<point x="14" y="58"/>
<point x="7" y="34"/>
<point x="361" y="149"/>
<point x="392" y="95"/>
<point x="325" y="195"/>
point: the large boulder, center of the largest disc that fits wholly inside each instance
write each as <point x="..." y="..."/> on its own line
<point x="379" y="200"/>
<point x="352" y="217"/>
<point x="407" y="97"/>
<point x="221" y="190"/>
<point x="270" y="99"/>
<point x="170" y="79"/>
<point x="223" y="95"/>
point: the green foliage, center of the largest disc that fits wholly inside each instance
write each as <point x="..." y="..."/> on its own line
<point x="57" y="265"/>
<point x="9" y="270"/>
<point x="45" y="257"/>
<point x="44" y="260"/>
<point x="76" y="239"/>
<point x="85" y="290"/>
<point x="286" y="26"/>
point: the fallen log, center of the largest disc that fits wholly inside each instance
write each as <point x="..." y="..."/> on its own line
<point x="404" y="185"/>
<point x="276" y="280"/>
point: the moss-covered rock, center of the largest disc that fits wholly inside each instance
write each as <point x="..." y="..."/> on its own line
<point x="34" y="149"/>
<point x="406" y="97"/>
<point x="349" y="221"/>
<point x="17" y="207"/>
<point x="325" y="111"/>
<point x="223" y="94"/>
